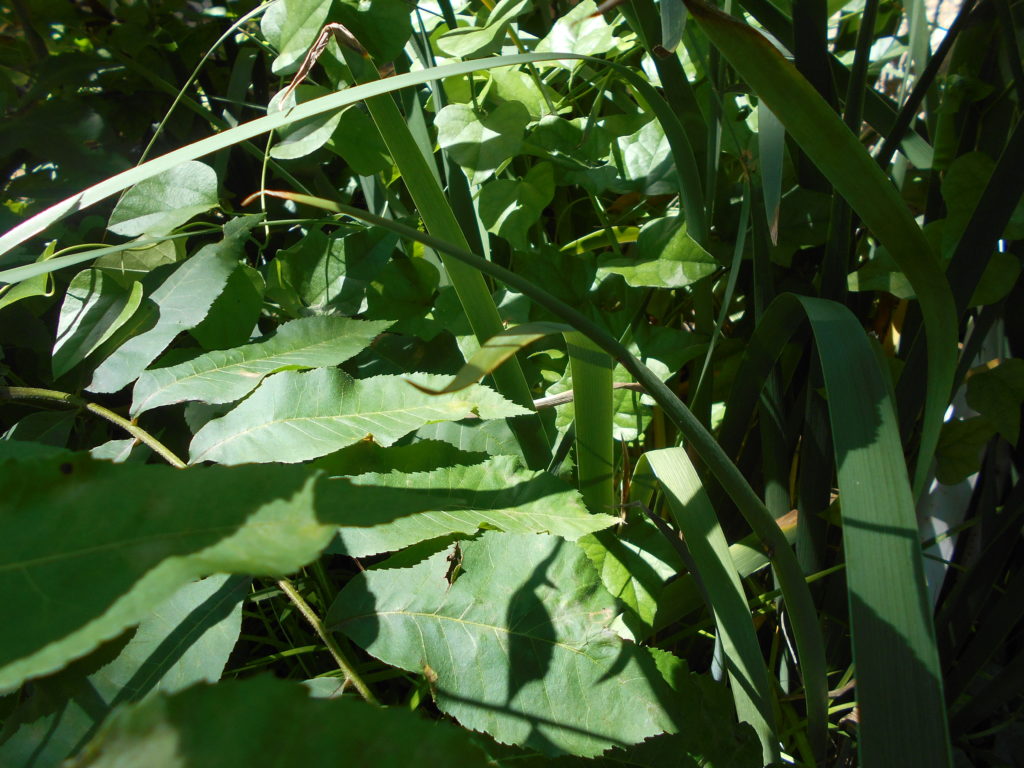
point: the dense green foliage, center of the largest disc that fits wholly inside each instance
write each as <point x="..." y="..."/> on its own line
<point x="519" y="383"/>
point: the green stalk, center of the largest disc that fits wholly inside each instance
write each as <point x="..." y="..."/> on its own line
<point x="592" y="395"/>
<point x="332" y="645"/>
<point x="65" y="398"/>
<point x="440" y="221"/>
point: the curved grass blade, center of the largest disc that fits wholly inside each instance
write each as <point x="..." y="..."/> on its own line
<point x="839" y="155"/>
<point x="899" y="682"/>
<point x="671" y="469"/>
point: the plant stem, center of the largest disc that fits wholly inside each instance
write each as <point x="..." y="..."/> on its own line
<point x="65" y="398"/>
<point x="350" y="672"/>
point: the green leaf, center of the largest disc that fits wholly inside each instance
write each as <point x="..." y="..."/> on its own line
<point x="519" y="646"/>
<point x="161" y="204"/>
<point x="383" y="27"/>
<point x="997" y="394"/>
<point x="238" y="724"/>
<point x="323" y="274"/>
<point x="307" y="136"/>
<point x="481" y="143"/>
<point x="292" y="26"/>
<point x="47" y="427"/>
<point x="496" y="495"/>
<point x="38" y="285"/>
<point x="509" y="208"/>
<point x="298" y="416"/>
<point x="185" y="640"/>
<point x="666" y="257"/>
<point x="475" y="42"/>
<point x="228" y="375"/>
<point x="72" y="584"/>
<point x="182" y="301"/>
<point x="961" y="447"/>
<point x="94" y="307"/>
<point x="357" y="141"/>
<point x="135" y="263"/>
<point x="582" y="30"/>
<point x="648" y="165"/>
<point x="232" y="317"/>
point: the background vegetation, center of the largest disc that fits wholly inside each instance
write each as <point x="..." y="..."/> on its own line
<point x="530" y="382"/>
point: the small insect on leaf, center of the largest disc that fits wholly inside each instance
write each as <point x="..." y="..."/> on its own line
<point x="454" y="565"/>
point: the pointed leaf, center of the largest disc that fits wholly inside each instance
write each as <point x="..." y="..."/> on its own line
<point x="480" y="143"/>
<point x="223" y="376"/>
<point x="498" y="494"/>
<point x="183" y="299"/>
<point x="298" y="416"/>
<point x="519" y="646"/>
<point x="666" y="257"/>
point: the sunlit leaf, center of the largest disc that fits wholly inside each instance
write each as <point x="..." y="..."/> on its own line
<point x="158" y="205"/>
<point x="298" y="416"/>
<point x="480" y="143"/>
<point x="228" y="375"/>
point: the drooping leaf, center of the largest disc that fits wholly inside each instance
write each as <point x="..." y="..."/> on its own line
<point x="495" y="495"/>
<point x="238" y="724"/>
<point x="226" y="375"/>
<point x="480" y="143"/>
<point x="94" y="307"/>
<point x="296" y="416"/>
<point x="73" y="583"/>
<point x="519" y="645"/>
<point x="158" y="205"/>
<point x="185" y="640"/>
<point x="307" y="136"/>
<point x="666" y="257"/>
<point x="181" y="302"/>
<point x="961" y="448"/>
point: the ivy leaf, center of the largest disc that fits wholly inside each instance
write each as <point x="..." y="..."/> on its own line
<point x="165" y="202"/>
<point x="94" y="307"/>
<point x="997" y="394"/>
<point x="481" y="143"/>
<point x="298" y="416"/>
<point x="509" y="208"/>
<point x="181" y="301"/>
<point x="666" y="257"/>
<point x="185" y="640"/>
<point x="239" y="724"/>
<point x="497" y="494"/>
<point x="582" y="30"/>
<point x="224" y="376"/>
<point x="517" y="646"/>
<point x="292" y="26"/>
<point x="474" y="42"/>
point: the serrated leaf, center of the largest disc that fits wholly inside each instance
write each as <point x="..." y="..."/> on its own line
<point x="73" y="583"/>
<point x="94" y="307"/>
<point x="297" y="416"/>
<point x="666" y="257"/>
<point x="185" y="640"/>
<point x="519" y="646"/>
<point x="182" y="300"/>
<point x="223" y="376"/>
<point x="238" y="724"/>
<point x="158" y="205"/>
<point x="497" y="495"/>
<point x="480" y="143"/>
